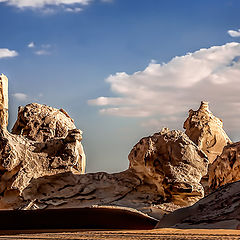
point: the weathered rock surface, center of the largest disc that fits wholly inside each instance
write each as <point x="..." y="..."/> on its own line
<point x="164" y="174"/>
<point x="220" y="209"/>
<point x="206" y="130"/>
<point x="226" y="168"/>
<point x="40" y="123"/>
<point x="171" y="162"/>
<point x="41" y="159"/>
<point x="3" y="101"/>
<point x="55" y="147"/>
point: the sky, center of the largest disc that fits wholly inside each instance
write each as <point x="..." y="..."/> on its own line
<point x="123" y="69"/>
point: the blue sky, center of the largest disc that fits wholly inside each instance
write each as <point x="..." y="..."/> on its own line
<point x="123" y="69"/>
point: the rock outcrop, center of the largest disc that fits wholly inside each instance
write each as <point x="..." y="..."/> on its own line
<point x="55" y="147"/>
<point x="220" y="209"/>
<point x="170" y="161"/>
<point x="41" y="163"/>
<point x="164" y="174"/>
<point x="206" y="130"/>
<point x="226" y="168"/>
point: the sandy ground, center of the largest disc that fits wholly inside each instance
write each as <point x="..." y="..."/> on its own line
<point x="166" y="234"/>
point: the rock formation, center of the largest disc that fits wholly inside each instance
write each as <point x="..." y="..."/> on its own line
<point x="226" y="168"/>
<point x="55" y="147"/>
<point x="3" y="101"/>
<point x="220" y="209"/>
<point x="41" y="161"/>
<point x="206" y="130"/>
<point x="170" y="161"/>
<point x="164" y="174"/>
<point x="40" y="123"/>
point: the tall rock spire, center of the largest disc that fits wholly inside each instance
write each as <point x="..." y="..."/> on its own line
<point x="206" y="130"/>
<point x="3" y="101"/>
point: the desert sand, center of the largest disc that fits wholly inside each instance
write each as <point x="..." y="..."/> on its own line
<point x="166" y="234"/>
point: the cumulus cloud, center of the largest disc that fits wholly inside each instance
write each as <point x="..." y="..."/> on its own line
<point x="165" y="92"/>
<point x="31" y="45"/>
<point x="20" y="96"/>
<point x="234" y="33"/>
<point x="6" y="53"/>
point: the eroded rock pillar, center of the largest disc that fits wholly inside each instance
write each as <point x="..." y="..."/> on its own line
<point x="3" y="101"/>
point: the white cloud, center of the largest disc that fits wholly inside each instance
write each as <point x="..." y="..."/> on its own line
<point x="234" y="33"/>
<point x="166" y="91"/>
<point x="44" y="3"/>
<point x="73" y="10"/>
<point x="42" y="52"/>
<point x="5" y="53"/>
<point x="20" y="96"/>
<point x="31" y="45"/>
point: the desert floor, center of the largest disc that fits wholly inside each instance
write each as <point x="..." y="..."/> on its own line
<point x="166" y="234"/>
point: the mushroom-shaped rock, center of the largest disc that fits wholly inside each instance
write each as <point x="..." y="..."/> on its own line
<point x="226" y="168"/>
<point x="206" y="130"/>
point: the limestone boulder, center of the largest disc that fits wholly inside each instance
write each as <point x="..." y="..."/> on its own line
<point x="173" y="163"/>
<point x="226" y="168"/>
<point x="39" y="122"/>
<point x="22" y="160"/>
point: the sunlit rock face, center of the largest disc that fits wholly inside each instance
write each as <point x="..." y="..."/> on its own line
<point x="40" y="122"/>
<point x="173" y="163"/>
<point x="164" y="174"/>
<point x="55" y="147"/>
<point x="218" y="210"/>
<point x="3" y="101"/>
<point x="206" y="131"/>
<point x="226" y="168"/>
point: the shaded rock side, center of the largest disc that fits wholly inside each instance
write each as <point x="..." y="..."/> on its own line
<point x="40" y="122"/>
<point x="164" y="174"/>
<point x="218" y="210"/>
<point x="226" y="168"/>
<point x="206" y="130"/>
